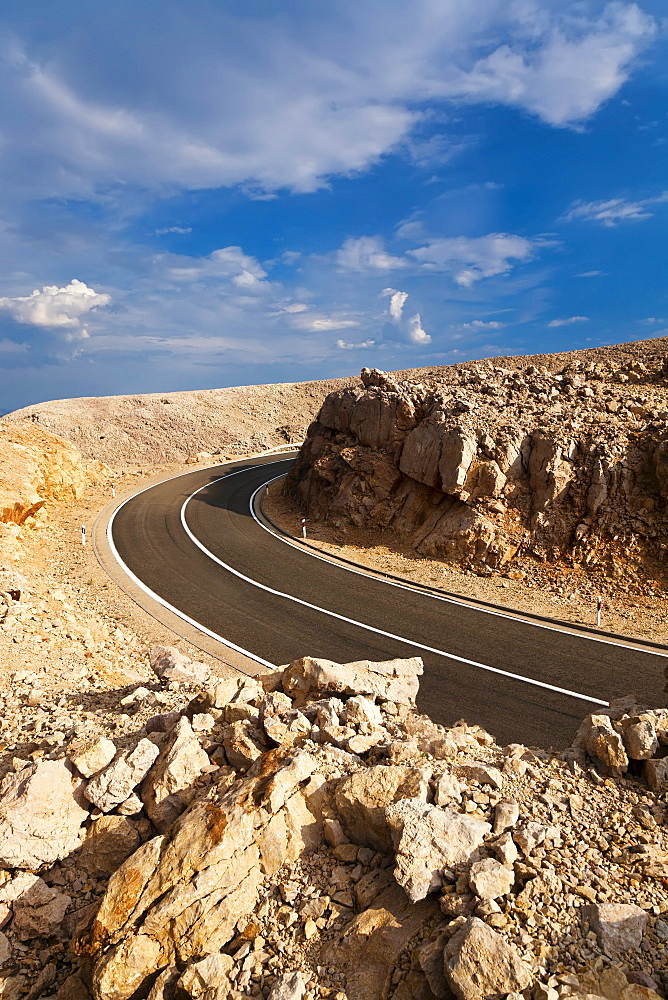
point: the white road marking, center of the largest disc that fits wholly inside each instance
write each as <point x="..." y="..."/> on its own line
<point x="434" y="596"/>
<point x="156" y="597"/>
<point x="369" y="628"/>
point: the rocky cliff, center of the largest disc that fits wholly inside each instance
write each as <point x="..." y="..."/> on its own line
<point x="487" y="466"/>
<point x="37" y="469"/>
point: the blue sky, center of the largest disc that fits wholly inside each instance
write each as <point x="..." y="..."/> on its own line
<point x="201" y="194"/>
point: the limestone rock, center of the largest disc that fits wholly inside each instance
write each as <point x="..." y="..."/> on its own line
<point x="427" y="840"/>
<point x="110" y="841"/>
<point x="483" y="773"/>
<point x="604" y="745"/>
<point x="506" y="814"/>
<point x="479" y="962"/>
<point x="168" y="787"/>
<point x="116" y="782"/>
<point x="39" y="911"/>
<point x="370" y="945"/>
<point x="639" y="737"/>
<point x="656" y="774"/>
<point x="178" y="899"/>
<point x="448" y="790"/>
<point x="619" y="927"/>
<point x="489" y="879"/>
<point x="361" y="800"/>
<point x="244" y="743"/>
<point x="5" y="949"/>
<point x="208" y="979"/>
<point x="288" y="986"/>
<point x="391" y="680"/>
<point x="41" y="818"/>
<point x="170" y="664"/>
<point x="92" y="755"/>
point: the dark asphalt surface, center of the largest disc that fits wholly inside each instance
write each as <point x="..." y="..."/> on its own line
<point x="150" y="538"/>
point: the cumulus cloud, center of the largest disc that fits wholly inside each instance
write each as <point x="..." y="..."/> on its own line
<point x="397" y="302"/>
<point x="343" y="345"/>
<point x="366" y="253"/>
<point x="612" y="212"/>
<point x="471" y="259"/>
<point x="57" y="308"/>
<point x="569" y="321"/>
<point x="416" y="333"/>
<point x="243" y="271"/>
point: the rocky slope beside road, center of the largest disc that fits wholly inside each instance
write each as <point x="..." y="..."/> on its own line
<point x="493" y="468"/>
<point x="309" y="834"/>
<point x="161" y="428"/>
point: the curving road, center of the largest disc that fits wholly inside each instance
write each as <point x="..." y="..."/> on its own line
<point x="214" y="561"/>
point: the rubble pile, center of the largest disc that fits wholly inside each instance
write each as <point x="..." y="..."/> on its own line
<point x="493" y="468"/>
<point x="308" y="834"/>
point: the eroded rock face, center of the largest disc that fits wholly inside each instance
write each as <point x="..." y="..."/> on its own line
<point x="493" y="464"/>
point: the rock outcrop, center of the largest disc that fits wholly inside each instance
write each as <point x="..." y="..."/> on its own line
<point x="485" y="467"/>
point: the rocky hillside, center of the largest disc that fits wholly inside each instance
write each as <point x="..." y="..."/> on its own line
<point x="487" y="466"/>
<point x="310" y="835"/>
<point x="162" y="428"/>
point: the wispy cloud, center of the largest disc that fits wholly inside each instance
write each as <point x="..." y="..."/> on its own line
<point x="180" y="230"/>
<point x="590" y="274"/>
<point x="612" y="212"/>
<point x="569" y="321"/>
<point x="321" y="324"/>
<point x="471" y="259"/>
<point x="343" y="345"/>
<point x="367" y="253"/>
<point x="481" y="324"/>
<point x="57" y="308"/>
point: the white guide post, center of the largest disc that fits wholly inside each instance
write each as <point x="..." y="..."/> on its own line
<point x="304" y="527"/>
<point x="83" y="534"/>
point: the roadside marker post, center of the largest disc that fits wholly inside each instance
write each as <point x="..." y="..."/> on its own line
<point x="83" y="534"/>
<point x="113" y="490"/>
<point x="599" y="608"/>
<point x="304" y="528"/>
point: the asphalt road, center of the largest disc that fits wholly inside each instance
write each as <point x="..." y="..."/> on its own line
<point x="152" y="542"/>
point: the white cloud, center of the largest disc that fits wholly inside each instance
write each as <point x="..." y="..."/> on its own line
<point x="345" y="346"/>
<point x="295" y="307"/>
<point x="54" y="307"/>
<point x="613" y="211"/>
<point x="590" y="274"/>
<point x="366" y="253"/>
<point x="273" y="102"/>
<point x="560" y="69"/>
<point x="181" y="230"/>
<point x="231" y="263"/>
<point x="416" y="333"/>
<point x="397" y="302"/>
<point x="481" y="324"/>
<point x="569" y="321"/>
<point x="651" y="320"/>
<point x="470" y="259"/>
<point x="320" y="324"/>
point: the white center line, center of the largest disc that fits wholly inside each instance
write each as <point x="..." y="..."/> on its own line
<point x="369" y="628"/>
